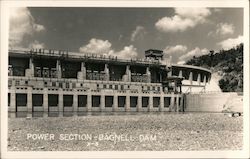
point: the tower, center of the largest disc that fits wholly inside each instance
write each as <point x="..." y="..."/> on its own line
<point x="154" y="54"/>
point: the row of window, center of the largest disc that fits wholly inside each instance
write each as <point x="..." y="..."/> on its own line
<point x="68" y="85"/>
<point x="37" y="100"/>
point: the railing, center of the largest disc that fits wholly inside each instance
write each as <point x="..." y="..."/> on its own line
<point x="85" y="56"/>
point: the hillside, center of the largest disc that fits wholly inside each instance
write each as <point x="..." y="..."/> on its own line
<point x="228" y="64"/>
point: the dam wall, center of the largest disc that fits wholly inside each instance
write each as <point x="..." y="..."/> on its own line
<point x="214" y="102"/>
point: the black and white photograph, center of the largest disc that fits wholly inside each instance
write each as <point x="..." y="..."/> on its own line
<point x="136" y="78"/>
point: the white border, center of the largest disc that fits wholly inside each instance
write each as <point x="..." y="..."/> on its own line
<point x="120" y="154"/>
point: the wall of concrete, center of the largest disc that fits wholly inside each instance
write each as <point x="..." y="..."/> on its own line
<point x="217" y="102"/>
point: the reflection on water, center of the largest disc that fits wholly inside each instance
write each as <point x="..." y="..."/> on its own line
<point x="71" y="114"/>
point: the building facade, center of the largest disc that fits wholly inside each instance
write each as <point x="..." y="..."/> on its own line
<point x="50" y="80"/>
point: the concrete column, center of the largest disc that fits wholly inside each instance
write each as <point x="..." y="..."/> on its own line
<point x="172" y="104"/>
<point x="128" y="73"/>
<point x="89" y="101"/>
<point x="81" y="75"/>
<point x="31" y="66"/>
<point x="127" y="108"/>
<point x="180" y="73"/>
<point x="170" y="73"/>
<point x="58" y="69"/>
<point x="191" y="77"/>
<point x="139" y="103"/>
<point x="106" y="70"/>
<point x="30" y="71"/>
<point x="177" y="103"/>
<point x="161" y="102"/>
<point x="115" y="103"/>
<point x="204" y="80"/>
<point x="150" y="103"/>
<point x="60" y="100"/>
<point x="13" y="102"/>
<point x="102" y="102"/>
<point x="191" y="80"/>
<point x="181" y="103"/>
<point x="175" y="86"/>
<point x="148" y="75"/>
<point x="199" y="79"/>
<point x="83" y="69"/>
<point x="75" y="101"/>
<point x="29" y="99"/>
<point x="45" y="100"/>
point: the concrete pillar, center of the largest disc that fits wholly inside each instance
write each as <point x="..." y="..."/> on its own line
<point x="89" y="101"/>
<point x="83" y="69"/>
<point x="170" y="73"/>
<point x="150" y="103"/>
<point x="199" y="79"/>
<point x="139" y="103"/>
<point x="204" y="80"/>
<point x="181" y="103"/>
<point x="106" y="70"/>
<point x="45" y="100"/>
<point x="177" y="103"/>
<point x="59" y="69"/>
<point x="128" y="73"/>
<point x="191" y="80"/>
<point x="60" y="100"/>
<point x="172" y="104"/>
<point x="29" y="99"/>
<point x="161" y="102"/>
<point x="13" y="101"/>
<point x="115" y="102"/>
<point x="148" y="75"/>
<point x="191" y="77"/>
<point x="81" y="75"/>
<point x="127" y="108"/>
<point x="31" y="66"/>
<point x="75" y="101"/>
<point x="175" y="86"/>
<point x="30" y="71"/>
<point x="102" y="101"/>
<point x="180" y="73"/>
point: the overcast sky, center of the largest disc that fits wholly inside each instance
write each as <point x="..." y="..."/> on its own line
<point x="127" y="32"/>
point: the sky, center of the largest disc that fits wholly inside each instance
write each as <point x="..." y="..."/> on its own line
<point x="127" y="32"/>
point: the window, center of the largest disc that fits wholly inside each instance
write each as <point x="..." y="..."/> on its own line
<point x="148" y="87"/>
<point x="67" y="85"/>
<point x="104" y="86"/>
<point x="26" y="82"/>
<point x="17" y="83"/>
<point x="97" y="85"/>
<point x="159" y="89"/>
<point x="122" y="87"/>
<point x="9" y="82"/>
<point x="110" y="86"/>
<point x="53" y="84"/>
<point x="73" y="85"/>
<point x="116" y="87"/>
<point x="45" y="83"/>
<point x="60" y="84"/>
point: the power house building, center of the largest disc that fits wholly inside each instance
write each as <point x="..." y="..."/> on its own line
<point x="52" y="80"/>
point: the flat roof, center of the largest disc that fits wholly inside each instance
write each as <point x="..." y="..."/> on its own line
<point x="82" y="56"/>
<point x="191" y="67"/>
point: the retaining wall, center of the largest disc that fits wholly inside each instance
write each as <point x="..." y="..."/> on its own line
<point x="217" y="102"/>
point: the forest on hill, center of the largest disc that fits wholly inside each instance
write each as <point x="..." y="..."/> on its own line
<point x="227" y="63"/>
